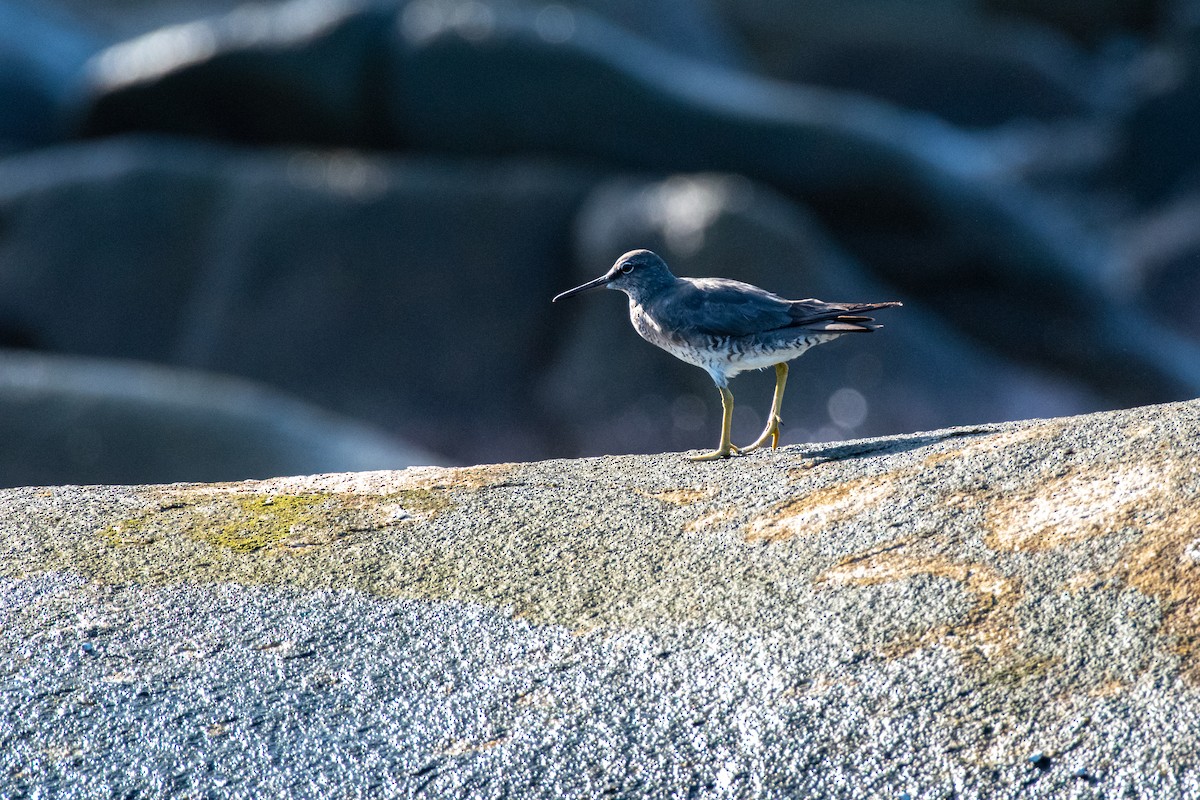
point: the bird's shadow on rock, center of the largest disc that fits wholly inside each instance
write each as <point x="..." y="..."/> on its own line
<point x="890" y="445"/>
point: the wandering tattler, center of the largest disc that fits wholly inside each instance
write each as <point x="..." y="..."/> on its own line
<point x="726" y="327"/>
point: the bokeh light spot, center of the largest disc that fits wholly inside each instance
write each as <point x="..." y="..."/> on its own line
<point x="847" y="408"/>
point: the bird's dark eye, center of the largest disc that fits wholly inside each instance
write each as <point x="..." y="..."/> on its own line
<point x="627" y="268"/>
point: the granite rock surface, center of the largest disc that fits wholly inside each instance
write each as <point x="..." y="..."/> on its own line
<point x="995" y="611"/>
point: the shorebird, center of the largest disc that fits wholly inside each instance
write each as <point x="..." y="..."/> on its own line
<point x="726" y="327"/>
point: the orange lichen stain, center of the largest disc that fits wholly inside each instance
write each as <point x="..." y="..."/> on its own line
<point x="479" y="477"/>
<point x="1006" y="439"/>
<point x="1081" y="582"/>
<point x="719" y="518"/>
<point x="818" y="510"/>
<point x="996" y="442"/>
<point x="1139" y="430"/>
<point x="1145" y="499"/>
<point x="1164" y="563"/>
<point x="803" y="469"/>
<point x="965" y="501"/>
<point x="1107" y="689"/>
<point x="933" y="459"/>
<point x="988" y="629"/>
<point x="388" y="482"/>
<point x="1070" y="508"/>
<point x="680" y="497"/>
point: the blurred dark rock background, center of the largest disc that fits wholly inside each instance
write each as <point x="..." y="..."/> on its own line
<point x="368" y="205"/>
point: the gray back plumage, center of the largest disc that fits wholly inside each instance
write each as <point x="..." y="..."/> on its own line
<point x="727" y="308"/>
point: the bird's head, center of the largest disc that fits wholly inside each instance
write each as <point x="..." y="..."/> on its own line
<point x="638" y="273"/>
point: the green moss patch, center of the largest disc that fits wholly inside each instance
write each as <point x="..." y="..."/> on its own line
<point x="252" y="523"/>
<point x="248" y="523"/>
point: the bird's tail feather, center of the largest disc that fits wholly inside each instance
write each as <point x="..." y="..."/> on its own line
<point x="837" y="317"/>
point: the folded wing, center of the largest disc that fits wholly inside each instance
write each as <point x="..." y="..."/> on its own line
<point x="721" y="307"/>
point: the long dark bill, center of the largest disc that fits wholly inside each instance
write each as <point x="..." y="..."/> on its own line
<point x="596" y="284"/>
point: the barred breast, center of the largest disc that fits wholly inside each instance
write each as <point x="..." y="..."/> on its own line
<point x="723" y="356"/>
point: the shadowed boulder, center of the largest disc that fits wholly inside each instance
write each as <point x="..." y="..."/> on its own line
<point x="410" y="293"/>
<point x="1089" y="20"/>
<point x="1158" y="159"/>
<point x="1159" y="262"/>
<point x="1009" y="610"/>
<point x="413" y="293"/>
<point x="950" y="59"/>
<point x="302" y="72"/>
<point x="41" y="74"/>
<point x="74" y="420"/>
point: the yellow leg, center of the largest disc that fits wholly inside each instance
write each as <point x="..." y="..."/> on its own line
<point x="772" y="430"/>
<point x="726" y="448"/>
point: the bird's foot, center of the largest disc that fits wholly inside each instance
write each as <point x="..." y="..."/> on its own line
<point x="770" y="433"/>
<point x="725" y="451"/>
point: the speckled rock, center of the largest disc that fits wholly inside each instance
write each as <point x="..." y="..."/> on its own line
<point x="1002" y="611"/>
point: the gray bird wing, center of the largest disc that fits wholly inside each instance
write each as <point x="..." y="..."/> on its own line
<point x="722" y="307"/>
